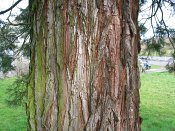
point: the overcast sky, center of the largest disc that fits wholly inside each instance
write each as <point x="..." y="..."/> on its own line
<point x="5" y="4"/>
<point x="168" y="16"/>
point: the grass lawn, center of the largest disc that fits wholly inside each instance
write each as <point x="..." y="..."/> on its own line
<point x="157" y="106"/>
<point x="155" y="67"/>
<point x="158" y="102"/>
<point x="11" y="118"/>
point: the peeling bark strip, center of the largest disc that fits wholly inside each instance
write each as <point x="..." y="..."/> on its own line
<point x="84" y="73"/>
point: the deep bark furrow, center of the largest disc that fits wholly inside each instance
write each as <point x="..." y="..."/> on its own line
<point x="84" y="73"/>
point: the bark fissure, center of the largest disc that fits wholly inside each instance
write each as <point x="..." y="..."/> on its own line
<point x="84" y="73"/>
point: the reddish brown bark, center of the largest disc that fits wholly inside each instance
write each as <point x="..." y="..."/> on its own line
<point x="87" y="78"/>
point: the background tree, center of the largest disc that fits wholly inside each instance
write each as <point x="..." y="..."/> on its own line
<point x="14" y="39"/>
<point x="18" y="92"/>
<point x="7" y="47"/>
<point x="14" y="45"/>
<point x="161" y="31"/>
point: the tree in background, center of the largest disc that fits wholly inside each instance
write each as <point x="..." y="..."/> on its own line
<point x="14" y="46"/>
<point x="6" y="48"/>
<point x="162" y="33"/>
<point x="14" y="39"/>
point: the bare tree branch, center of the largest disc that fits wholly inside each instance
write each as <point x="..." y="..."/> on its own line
<point x="14" y="24"/>
<point x="10" y="8"/>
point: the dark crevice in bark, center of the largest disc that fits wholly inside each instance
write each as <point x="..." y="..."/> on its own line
<point x="90" y="65"/>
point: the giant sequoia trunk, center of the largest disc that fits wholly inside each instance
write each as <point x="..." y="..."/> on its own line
<point x="84" y="73"/>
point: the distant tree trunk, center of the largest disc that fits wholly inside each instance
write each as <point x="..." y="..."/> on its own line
<point x="84" y="73"/>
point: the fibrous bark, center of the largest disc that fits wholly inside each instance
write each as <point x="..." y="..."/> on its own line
<point x="84" y="73"/>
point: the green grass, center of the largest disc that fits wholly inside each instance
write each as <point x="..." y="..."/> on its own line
<point x="155" y="67"/>
<point x="157" y="106"/>
<point x="11" y="118"/>
<point x="158" y="102"/>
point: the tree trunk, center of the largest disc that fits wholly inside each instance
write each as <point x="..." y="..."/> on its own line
<point x="84" y="73"/>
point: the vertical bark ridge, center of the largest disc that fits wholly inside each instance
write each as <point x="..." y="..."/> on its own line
<point x="90" y="75"/>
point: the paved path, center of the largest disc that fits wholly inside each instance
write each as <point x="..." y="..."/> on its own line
<point x="156" y="70"/>
<point x="160" y="63"/>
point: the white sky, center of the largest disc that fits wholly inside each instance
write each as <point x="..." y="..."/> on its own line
<point x="5" y="4"/>
<point x="168" y="16"/>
